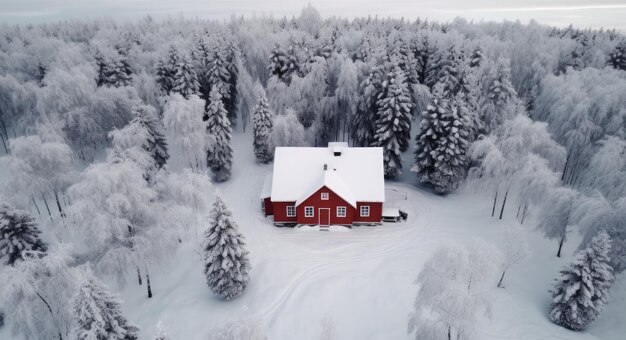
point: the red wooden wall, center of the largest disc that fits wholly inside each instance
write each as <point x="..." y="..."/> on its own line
<point x="316" y="201"/>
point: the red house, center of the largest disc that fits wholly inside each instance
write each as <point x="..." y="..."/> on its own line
<point x="324" y="186"/>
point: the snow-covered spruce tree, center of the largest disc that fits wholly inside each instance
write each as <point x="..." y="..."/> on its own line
<point x="618" y="56"/>
<point x="393" y="122"/>
<point x="155" y="145"/>
<point x="262" y="122"/>
<point x="233" y="64"/>
<point x="185" y="80"/>
<point x="166" y="69"/>
<point x="18" y="233"/>
<point x="446" y="70"/>
<point x="220" y="153"/>
<point x="440" y="158"/>
<point x="364" y="123"/>
<point x="226" y="264"/>
<point x="218" y="77"/>
<point x="581" y="293"/>
<point x="98" y="314"/>
<point x="283" y="64"/>
<point x="500" y="92"/>
<point x="119" y="71"/>
<point x="476" y="58"/>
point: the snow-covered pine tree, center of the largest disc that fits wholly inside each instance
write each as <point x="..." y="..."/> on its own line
<point x="98" y="314"/>
<point x="119" y="72"/>
<point x="440" y="157"/>
<point x="618" y="56"/>
<point x="226" y="264"/>
<point x="581" y="293"/>
<point x="370" y="89"/>
<point x="166" y="69"/>
<point x="102" y="66"/>
<point x="476" y="58"/>
<point x="393" y="123"/>
<point x="431" y="129"/>
<point x="185" y="80"/>
<point x="155" y="145"/>
<point x="262" y="122"/>
<point x="499" y="92"/>
<point x="220" y="153"/>
<point x="218" y="76"/>
<point x="18" y="233"/>
<point x="283" y="64"/>
<point x="232" y="66"/>
<point x="446" y="71"/>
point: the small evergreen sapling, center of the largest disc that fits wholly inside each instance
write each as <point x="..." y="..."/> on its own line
<point x="226" y="264"/>
<point x="581" y="293"/>
<point x="262" y="120"/>
<point x="18" y="233"/>
<point x="98" y="315"/>
<point x="220" y="153"/>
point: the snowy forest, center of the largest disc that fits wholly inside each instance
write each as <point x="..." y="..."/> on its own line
<point x="120" y="141"/>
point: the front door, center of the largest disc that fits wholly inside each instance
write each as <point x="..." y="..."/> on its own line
<point x="324" y="214"/>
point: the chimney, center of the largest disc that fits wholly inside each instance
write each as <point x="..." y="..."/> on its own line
<point x="325" y="166"/>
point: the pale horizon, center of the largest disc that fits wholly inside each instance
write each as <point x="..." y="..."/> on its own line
<point x="608" y="14"/>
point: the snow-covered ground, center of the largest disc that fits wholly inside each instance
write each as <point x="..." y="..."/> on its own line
<point x="362" y="279"/>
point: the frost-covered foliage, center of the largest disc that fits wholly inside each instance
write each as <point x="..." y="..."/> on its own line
<point x="161" y="333"/>
<point x="452" y="293"/>
<point x="18" y="234"/>
<point x="220" y="152"/>
<point x="287" y="131"/>
<point x="38" y="167"/>
<point x="514" y="249"/>
<point x="98" y="315"/>
<point x="183" y="121"/>
<point x="241" y="329"/>
<point x="595" y="214"/>
<point x="115" y="215"/>
<point x="582" y="291"/>
<point x="142" y="140"/>
<point x="518" y="158"/>
<point x="226" y="263"/>
<point x="262" y="123"/>
<point x="39" y="304"/>
<point x="618" y="56"/>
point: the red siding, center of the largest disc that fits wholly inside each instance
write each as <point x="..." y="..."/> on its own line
<point x="280" y="212"/>
<point x="376" y="212"/>
<point x="269" y="207"/>
<point x="331" y="203"/>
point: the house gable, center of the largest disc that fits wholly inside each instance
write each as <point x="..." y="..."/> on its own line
<point x="317" y="202"/>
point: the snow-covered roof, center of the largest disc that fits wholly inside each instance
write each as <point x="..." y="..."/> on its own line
<point x="357" y="175"/>
<point x="391" y="212"/>
<point x="266" y="191"/>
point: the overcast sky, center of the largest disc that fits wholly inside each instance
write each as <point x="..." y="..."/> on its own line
<point x="581" y="13"/>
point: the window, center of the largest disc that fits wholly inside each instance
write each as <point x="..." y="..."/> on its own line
<point x="325" y="196"/>
<point x="262" y="205"/>
<point x="365" y="211"/>
<point x="341" y="211"/>
<point x="291" y="211"/>
<point x="308" y="212"/>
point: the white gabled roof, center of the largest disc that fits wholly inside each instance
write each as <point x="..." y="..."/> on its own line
<point x="266" y="191"/>
<point x="357" y="175"/>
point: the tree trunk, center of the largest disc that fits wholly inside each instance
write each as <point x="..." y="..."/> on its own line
<point x="519" y="208"/>
<point x="36" y="206"/>
<point x="493" y="209"/>
<point x="47" y="206"/>
<point x="6" y="149"/>
<point x="504" y="203"/>
<point x="501" y="278"/>
<point x="558" y="253"/>
<point x="139" y="276"/>
<point x="56" y="196"/>
<point x="524" y="212"/>
<point x="148" y="283"/>
<point x="569" y="154"/>
<point x="49" y="309"/>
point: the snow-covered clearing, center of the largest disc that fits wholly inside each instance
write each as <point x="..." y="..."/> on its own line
<point x="362" y="279"/>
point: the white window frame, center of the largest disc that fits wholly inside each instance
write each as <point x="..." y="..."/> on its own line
<point x="293" y="211"/>
<point x="325" y="196"/>
<point x="364" y="211"/>
<point x="306" y="211"/>
<point x="344" y="211"/>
